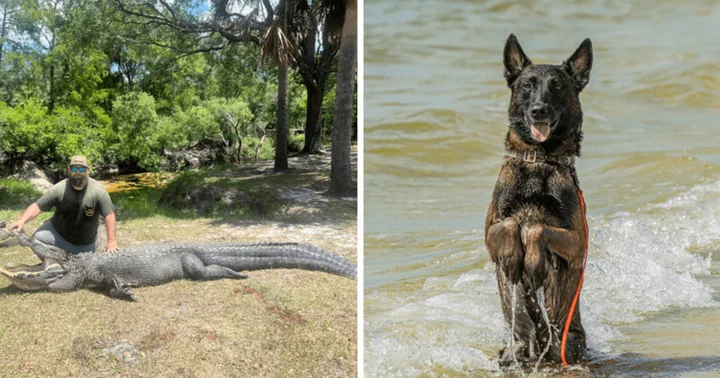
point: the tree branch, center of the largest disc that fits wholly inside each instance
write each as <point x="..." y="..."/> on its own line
<point x="270" y="13"/>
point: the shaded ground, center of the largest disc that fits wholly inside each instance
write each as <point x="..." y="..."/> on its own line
<point x="277" y="323"/>
<point x="250" y="191"/>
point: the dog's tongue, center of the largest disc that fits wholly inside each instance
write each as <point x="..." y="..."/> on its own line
<point x="540" y="131"/>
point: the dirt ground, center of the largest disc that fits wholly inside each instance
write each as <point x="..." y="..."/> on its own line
<point x="276" y="323"/>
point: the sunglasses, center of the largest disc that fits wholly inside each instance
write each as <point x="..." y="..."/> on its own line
<point x="76" y="169"/>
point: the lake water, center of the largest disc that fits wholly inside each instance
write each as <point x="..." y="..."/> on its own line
<point x="435" y="119"/>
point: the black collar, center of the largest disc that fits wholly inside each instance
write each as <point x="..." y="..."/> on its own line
<point x="540" y="157"/>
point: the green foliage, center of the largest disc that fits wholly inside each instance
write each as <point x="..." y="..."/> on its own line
<point x="77" y="134"/>
<point x="73" y="81"/>
<point x="21" y="77"/>
<point x="134" y="122"/>
<point x="267" y="150"/>
<point x="168" y="135"/>
<point x="25" y="130"/>
<point x="297" y="97"/>
<point x="296" y="142"/>
<point x="216" y="124"/>
<point x="197" y="123"/>
<point x="28" y="132"/>
<point x="326" y="118"/>
<point x="17" y="192"/>
<point x="201" y="193"/>
<point x="143" y="202"/>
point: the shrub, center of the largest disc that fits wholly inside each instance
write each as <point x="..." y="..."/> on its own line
<point x="17" y="192"/>
<point x="25" y="131"/>
<point x="134" y="123"/>
<point x="77" y="135"/>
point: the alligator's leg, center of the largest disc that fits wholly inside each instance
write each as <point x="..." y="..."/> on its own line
<point x="120" y="293"/>
<point x="103" y="278"/>
<point x="68" y="282"/>
<point x="115" y="289"/>
<point x="194" y="268"/>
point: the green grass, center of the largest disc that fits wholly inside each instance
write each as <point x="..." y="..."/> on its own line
<point x="257" y="196"/>
<point x="17" y="192"/>
<point x="277" y="323"/>
<point x="207" y="194"/>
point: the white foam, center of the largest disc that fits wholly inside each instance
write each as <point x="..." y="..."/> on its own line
<point x="446" y="326"/>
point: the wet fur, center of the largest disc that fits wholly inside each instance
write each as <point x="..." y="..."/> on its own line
<point x="534" y="228"/>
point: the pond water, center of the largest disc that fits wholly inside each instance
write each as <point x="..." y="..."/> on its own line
<point x="135" y="181"/>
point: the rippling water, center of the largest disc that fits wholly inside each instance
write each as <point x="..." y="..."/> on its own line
<point x="435" y="119"/>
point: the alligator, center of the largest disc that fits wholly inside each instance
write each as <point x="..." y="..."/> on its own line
<point x="6" y="242"/>
<point x="157" y="264"/>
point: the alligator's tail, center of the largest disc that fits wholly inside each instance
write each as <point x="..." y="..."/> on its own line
<point x="241" y="257"/>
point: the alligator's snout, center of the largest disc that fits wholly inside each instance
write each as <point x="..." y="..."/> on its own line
<point x="35" y="277"/>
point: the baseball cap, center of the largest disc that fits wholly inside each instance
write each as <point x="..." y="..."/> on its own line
<point x="79" y="160"/>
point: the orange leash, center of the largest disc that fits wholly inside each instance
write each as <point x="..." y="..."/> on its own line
<point x="577" y="293"/>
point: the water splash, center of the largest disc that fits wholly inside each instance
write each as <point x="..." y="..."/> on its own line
<point x="540" y="293"/>
<point x="639" y="265"/>
<point x="512" y="326"/>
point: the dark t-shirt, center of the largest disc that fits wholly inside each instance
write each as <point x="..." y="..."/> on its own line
<point x="77" y="213"/>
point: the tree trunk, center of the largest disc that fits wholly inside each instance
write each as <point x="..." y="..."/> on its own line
<point x="281" y="135"/>
<point x="313" y="131"/>
<point x="51" y="104"/>
<point x="341" y="168"/>
<point x="259" y="146"/>
<point x="239" y="156"/>
<point x="3" y="31"/>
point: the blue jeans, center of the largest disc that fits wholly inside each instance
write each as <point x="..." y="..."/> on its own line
<point x="47" y="234"/>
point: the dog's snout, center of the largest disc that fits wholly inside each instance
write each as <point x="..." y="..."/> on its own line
<point x="539" y="111"/>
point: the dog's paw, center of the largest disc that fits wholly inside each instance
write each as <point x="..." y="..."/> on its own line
<point x="512" y="353"/>
<point x="511" y="269"/>
<point x="532" y="233"/>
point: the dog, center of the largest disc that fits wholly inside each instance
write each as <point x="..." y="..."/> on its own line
<point x="535" y="230"/>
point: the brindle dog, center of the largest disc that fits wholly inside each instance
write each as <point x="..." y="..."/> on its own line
<point x="535" y="228"/>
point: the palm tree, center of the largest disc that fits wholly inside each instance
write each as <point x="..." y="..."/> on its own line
<point x="341" y="168"/>
<point x="317" y="26"/>
<point x="286" y="35"/>
<point x="278" y="47"/>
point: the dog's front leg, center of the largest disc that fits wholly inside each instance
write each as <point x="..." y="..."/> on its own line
<point x="505" y="247"/>
<point x="568" y="244"/>
<point x="535" y="261"/>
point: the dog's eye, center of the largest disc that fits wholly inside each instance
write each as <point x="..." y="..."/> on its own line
<point x="558" y="87"/>
<point x="527" y="85"/>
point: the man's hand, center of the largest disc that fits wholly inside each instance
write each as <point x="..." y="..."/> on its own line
<point x="30" y="213"/>
<point x="112" y="247"/>
<point x="17" y="224"/>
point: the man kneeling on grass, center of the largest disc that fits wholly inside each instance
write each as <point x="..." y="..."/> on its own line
<point x="79" y="201"/>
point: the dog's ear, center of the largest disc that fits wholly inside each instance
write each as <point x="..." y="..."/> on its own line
<point x="579" y="64"/>
<point x="514" y="59"/>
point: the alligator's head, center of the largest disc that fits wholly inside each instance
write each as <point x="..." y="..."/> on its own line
<point x="36" y="277"/>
